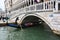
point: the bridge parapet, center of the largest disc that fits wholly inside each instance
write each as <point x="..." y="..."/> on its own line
<point x="45" y="6"/>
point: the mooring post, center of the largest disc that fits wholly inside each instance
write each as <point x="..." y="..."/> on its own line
<point x="21" y="27"/>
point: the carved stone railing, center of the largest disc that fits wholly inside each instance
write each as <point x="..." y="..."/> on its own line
<point x="45" y="6"/>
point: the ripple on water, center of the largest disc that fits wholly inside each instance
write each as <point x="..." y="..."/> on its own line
<point x="32" y="33"/>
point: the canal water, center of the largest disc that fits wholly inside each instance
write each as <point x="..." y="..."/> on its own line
<point x="31" y="33"/>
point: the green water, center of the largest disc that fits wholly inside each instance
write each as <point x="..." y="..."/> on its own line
<point x="32" y="33"/>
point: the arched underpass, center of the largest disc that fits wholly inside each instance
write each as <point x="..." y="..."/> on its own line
<point x="36" y="22"/>
<point x="32" y="33"/>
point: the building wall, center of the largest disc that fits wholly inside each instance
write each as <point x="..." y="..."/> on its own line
<point x="2" y="13"/>
<point x="14" y="1"/>
<point x="7" y="4"/>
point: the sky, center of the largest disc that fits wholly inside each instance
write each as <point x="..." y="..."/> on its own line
<point x="2" y="5"/>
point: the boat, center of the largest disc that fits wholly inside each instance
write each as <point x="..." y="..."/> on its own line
<point x="13" y="25"/>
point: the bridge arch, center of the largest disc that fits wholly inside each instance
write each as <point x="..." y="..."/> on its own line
<point x="37" y="16"/>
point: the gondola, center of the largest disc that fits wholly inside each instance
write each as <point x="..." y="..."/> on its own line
<point x="13" y="25"/>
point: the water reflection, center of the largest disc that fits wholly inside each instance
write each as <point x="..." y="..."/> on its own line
<point x="32" y="33"/>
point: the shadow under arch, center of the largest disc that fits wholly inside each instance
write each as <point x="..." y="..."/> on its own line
<point x="34" y="18"/>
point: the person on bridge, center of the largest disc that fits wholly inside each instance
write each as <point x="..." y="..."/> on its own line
<point x="18" y="26"/>
<point x="16" y="20"/>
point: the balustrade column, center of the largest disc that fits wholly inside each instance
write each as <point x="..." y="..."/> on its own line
<point x="33" y="1"/>
<point x="56" y="5"/>
<point x="43" y="5"/>
<point x="30" y="2"/>
<point x="25" y="2"/>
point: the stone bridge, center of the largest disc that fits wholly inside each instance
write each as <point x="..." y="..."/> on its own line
<point x="36" y="13"/>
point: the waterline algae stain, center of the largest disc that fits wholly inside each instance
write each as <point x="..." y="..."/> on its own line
<point x="32" y="33"/>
